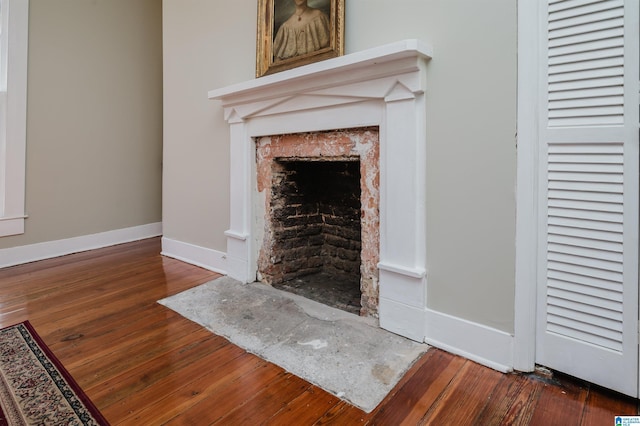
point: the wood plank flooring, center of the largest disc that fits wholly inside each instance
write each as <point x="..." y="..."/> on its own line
<point x="143" y="364"/>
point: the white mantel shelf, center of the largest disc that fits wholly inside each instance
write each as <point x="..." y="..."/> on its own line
<point x="383" y="87"/>
<point x="395" y="58"/>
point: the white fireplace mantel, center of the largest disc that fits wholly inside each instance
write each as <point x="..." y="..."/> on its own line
<point x="383" y="87"/>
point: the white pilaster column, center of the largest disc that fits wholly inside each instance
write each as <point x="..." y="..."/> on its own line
<point x="403" y="214"/>
<point x="241" y="209"/>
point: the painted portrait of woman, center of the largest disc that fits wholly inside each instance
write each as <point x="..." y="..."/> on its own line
<point x="292" y="33"/>
<point x="300" y="27"/>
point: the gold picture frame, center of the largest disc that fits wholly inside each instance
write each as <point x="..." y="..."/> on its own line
<point x="319" y="29"/>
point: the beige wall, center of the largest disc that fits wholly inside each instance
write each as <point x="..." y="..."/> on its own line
<point x="471" y="133"/>
<point x="94" y="118"/>
<point x="207" y="44"/>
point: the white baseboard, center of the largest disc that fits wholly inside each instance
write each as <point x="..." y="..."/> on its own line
<point x="485" y="345"/>
<point x="47" y="250"/>
<point x="210" y="259"/>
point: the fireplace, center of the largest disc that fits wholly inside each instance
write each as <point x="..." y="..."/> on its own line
<point x="321" y="215"/>
<point x="341" y="104"/>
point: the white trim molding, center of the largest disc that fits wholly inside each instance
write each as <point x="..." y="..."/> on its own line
<point x="485" y="345"/>
<point x="12" y="225"/>
<point x="13" y="119"/>
<point x="527" y="216"/>
<point x="203" y="257"/>
<point x="50" y="249"/>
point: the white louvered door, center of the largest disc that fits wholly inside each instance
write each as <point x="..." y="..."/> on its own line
<point x="588" y="289"/>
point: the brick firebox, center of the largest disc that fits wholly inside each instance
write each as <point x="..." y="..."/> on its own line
<point x="308" y="227"/>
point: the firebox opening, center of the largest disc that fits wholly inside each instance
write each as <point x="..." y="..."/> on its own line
<point x="315" y="214"/>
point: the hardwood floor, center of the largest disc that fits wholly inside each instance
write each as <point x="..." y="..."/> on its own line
<point x="143" y="364"/>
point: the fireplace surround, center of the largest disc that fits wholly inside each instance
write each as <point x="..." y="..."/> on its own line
<point x="383" y="87"/>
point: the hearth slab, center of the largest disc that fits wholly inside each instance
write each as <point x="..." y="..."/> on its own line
<point x="345" y="354"/>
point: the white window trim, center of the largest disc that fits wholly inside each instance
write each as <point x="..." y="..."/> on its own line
<point x="13" y="119"/>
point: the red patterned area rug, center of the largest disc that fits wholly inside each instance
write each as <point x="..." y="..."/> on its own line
<point x="35" y="389"/>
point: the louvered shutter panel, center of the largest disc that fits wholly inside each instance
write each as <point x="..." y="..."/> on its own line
<point x="586" y="63"/>
<point x="588" y="303"/>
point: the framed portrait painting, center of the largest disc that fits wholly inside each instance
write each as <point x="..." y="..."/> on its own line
<point x="292" y="33"/>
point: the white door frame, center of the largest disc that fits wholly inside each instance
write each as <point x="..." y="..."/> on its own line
<point x="527" y="218"/>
